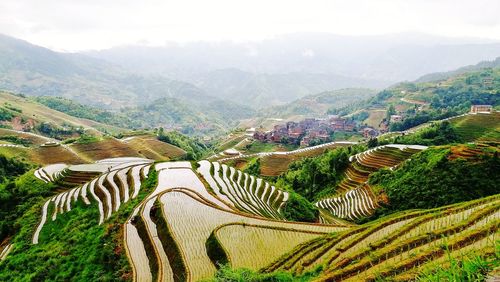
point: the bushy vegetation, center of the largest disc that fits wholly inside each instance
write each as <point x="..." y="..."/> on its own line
<point x="436" y="134"/>
<point x="227" y="274"/>
<point x="58" y="132"/>
<point x="16" y="140"/>
<point x="467" y="268"/>
<point x="195" y="149"/>
<point x="5" y="114"/>
<point x="86" y="139"/>
<point x="253" y="167"/>
<point x="10" y="168"/>
<point x="420" y="118"/>
<point x="317" y="177"/>
<point x="75" y="109"/>
<point x="298" y="208"/>
<point x="17" y="196"/>
<point x="431" y="179"/>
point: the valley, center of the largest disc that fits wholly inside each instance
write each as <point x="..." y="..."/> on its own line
<point x="269" y="161"/>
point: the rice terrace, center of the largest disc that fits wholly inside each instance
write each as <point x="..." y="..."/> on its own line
<point x="234" y="141"/>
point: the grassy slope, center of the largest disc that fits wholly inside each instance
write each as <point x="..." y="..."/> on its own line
<point x="454" y="93"/>
<point x="152" y="148"/>
<point x="42" y="113"/>
<point x="35" y="153"/>
<point x="480" y="127"/>
<point x="439" y="176"/>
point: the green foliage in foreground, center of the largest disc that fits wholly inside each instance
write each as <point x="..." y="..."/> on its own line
<point x="432" y="180"/>
<point x="466" y="268"/>
<point x="317" y="177"/>
<point x="10" y="168"/>
<point x="227" y="274"/>
<point x="17" y="197"/>
<point x="73" y="247"/>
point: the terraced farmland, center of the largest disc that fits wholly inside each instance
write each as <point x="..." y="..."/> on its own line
<point x="472" y="151"/>
<point x="209" y="209"/>
<point x="50" y="173"/>
<point x="198" y="229"/>
<point x="356" y="199"/>
<point x="108" y="190"/>
<point x="478" y="127"/>
<point x="152" y="148"/>
<point x="243" y="192"/>
<point x="401" y="245"/>
<point x="107" y="148"/>
<point x="275" y="163"/>
<point x="194" y="220"/>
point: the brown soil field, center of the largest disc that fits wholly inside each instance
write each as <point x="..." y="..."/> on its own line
<point x="107" y="148"/>
<point x="51" y="155"/>
<point x="151" y="148"/>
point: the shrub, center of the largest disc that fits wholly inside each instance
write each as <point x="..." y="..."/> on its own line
<point x="430" y="179"/>
<point x="298" y="208"/>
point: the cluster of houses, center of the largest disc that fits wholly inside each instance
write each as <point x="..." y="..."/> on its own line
<point x="481" y="109"/>
<point x="315" y="130"/>
<point x="305" y="131"/>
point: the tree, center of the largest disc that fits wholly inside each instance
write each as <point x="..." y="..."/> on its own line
<point x="373" y="142"/>
<point x="390" y="111"/>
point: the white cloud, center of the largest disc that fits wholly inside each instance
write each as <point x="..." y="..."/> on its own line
<point x="308" y="53"/>
<point x="94" y="24"/>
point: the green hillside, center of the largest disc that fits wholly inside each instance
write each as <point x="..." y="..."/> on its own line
<point x="35" y="71"/>
<point x="420" y="102"/>
<point x="319" y="104"/>
<point x="440" y="176"/>
<point x="480" y="127"/>
<point x="107" y="175"/>
<point x="172" y="220"/>
<point x="20" y="112"/>
<point x="445" y="75"/>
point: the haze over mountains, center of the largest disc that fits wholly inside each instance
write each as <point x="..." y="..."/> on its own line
<point x="36" y="71"/>
<point x="252" y="74"/>
<point x="291" y="66"/>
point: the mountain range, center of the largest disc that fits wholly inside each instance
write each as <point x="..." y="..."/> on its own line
<point x="218" y="84"/>
<point x="288" y="67"/>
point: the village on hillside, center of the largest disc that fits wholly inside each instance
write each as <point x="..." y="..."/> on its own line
<point x="314" y="131"/>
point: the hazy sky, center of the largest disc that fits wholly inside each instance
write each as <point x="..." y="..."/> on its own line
<point x="95" y="24"/>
